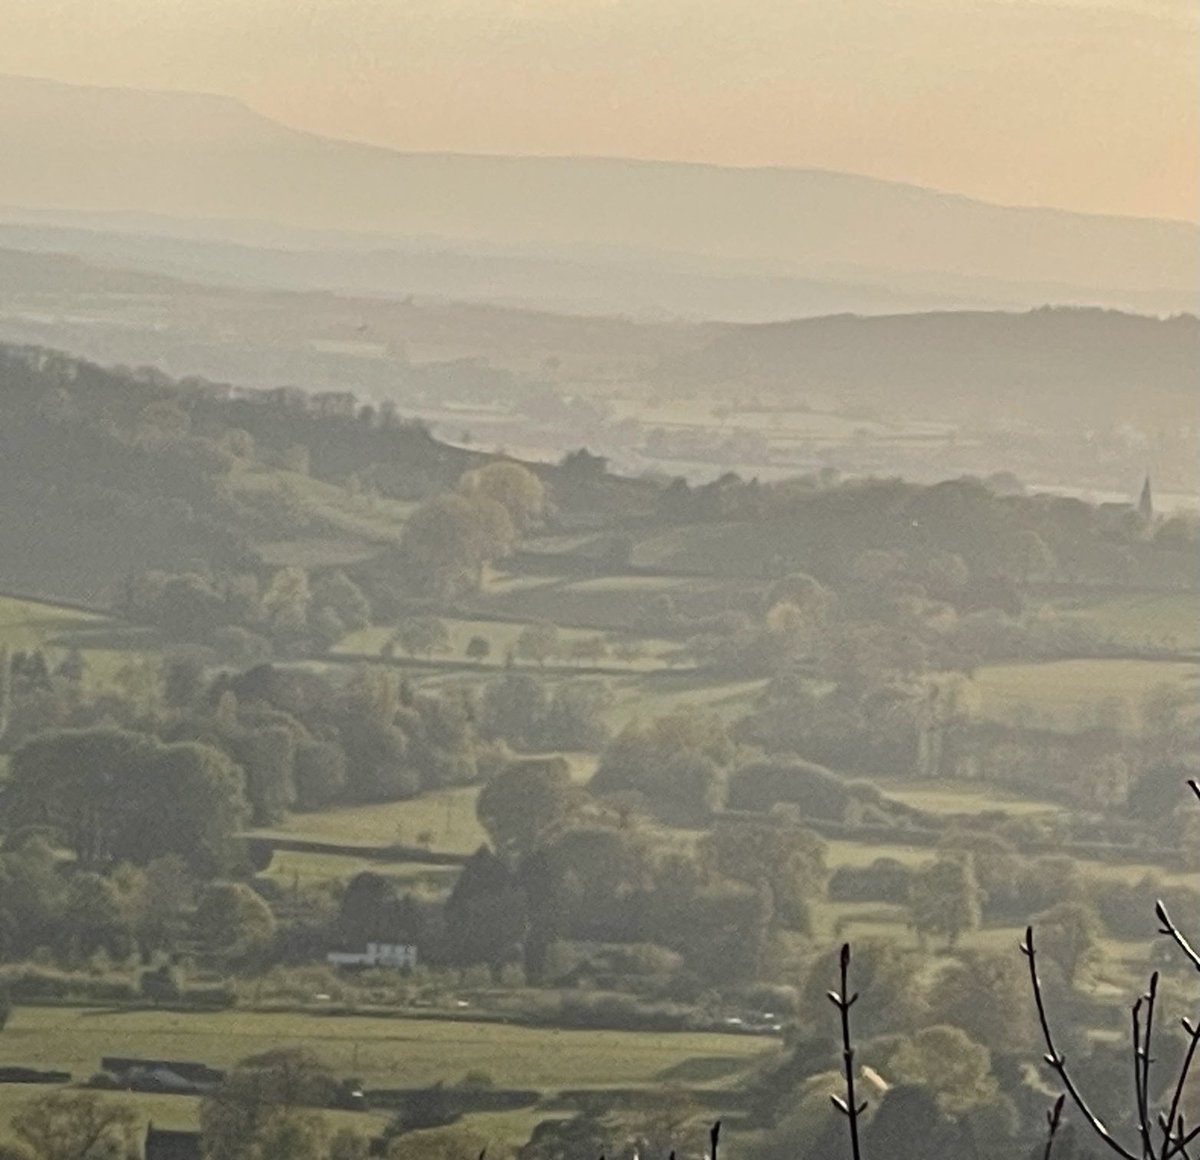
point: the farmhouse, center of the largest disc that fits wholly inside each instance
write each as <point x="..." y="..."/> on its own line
<point x="395" y="955"/>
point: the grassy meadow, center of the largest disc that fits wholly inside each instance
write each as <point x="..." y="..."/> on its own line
<point x="108" y="646"/>
<point x="382" y="1052"/>
<point x="1154" y="619"/>
<point x="1069" y="693"/>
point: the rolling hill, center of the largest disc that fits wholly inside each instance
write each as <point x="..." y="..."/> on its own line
<point x="75" y="150"/>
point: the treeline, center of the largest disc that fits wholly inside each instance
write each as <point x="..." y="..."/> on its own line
<point x="995" y="528"/>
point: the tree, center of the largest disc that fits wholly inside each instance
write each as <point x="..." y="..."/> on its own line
<point x="944" y="898"/>
<point x="987" y="995"/>
<point x="538" y="642"/>
<point x="292" y="1134"/>
<point x="97" y="787"/>
<point x="514" y="708"/>
<point x="513" y="487"/>
<point x="447" y="541"/>
<point x="485" y="913"/>
<point x="1032" y="560"/>
<point x="232" y="919"/>
<point x="286" y="601"/>
<point x="997" y="866"/>
<point x="347" y="1144"/>
<point x="319" y="773"/>
<point x="790" y="860"/>
<point x="589" y="648"/>
<point x="268" y="757"/>
<point x="422" y="634"/>
<point x="94" y="917"/>
<point x="907" y="1125"/>
<point x="887" y="978"/>
<point x="676" y="761"/>
<point x="950" y="1064"/>
<point x="574" y="716"/>
<point x="370" y="911"/>
<point x="525" y="803"/>
<point x="183" y="679"/>
<point x="337" y="591"/>
<point x="592" y="1132"/>
<point x="258" y="1111"/>
<point x="65" y="1125"/>
<point x="1069" y="935"/>
<point x="479" y="648"/>
<point x="451" y="1143"/>
<point x="188" y="607"/>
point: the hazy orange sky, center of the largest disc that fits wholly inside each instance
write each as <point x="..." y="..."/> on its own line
<point x="1086" y="104"/>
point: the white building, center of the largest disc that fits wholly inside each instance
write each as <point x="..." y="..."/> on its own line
<point x="394" y="955"/>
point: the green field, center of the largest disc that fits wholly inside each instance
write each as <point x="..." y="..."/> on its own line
<point x="1068" y="693"/>
<point x="1156" y="619"/>
<point x="447" y="817"/>
<point x="292" y="868"/>
<point x="669" y="693"/>
<point x="107" y="645"/>
<point x="30" y="624"/>
<point x="383" y="1052"/>
<point x="943" y="797"/>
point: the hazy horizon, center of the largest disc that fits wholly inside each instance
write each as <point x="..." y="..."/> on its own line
<point x="905" y="96"/>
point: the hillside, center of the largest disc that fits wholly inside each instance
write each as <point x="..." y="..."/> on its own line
<point x="104" y="472"/>
<point x="1025" y="366"/>
<point x="191" y="156"/>
<point x="925" y="396"/>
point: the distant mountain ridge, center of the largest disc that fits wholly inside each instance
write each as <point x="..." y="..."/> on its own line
<point x="83" y="150"/>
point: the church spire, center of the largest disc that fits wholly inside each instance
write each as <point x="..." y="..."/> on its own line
<point x="1146" y="502"/>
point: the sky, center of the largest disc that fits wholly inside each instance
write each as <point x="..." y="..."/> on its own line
<point x="1089" y="105"/>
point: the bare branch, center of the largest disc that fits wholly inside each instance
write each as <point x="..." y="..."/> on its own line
<point x="849" y="1107"/>
<point x="1053" y="1122"/>
<point x="1058" y="1063"/>
<point x="1168" y="927"/>
<point x="1168" y="1123"/>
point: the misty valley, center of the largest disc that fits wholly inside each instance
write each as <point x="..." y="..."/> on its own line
<point x="564" y="657"/>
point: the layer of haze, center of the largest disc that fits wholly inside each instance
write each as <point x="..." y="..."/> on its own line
<point x="1085" y="104"/>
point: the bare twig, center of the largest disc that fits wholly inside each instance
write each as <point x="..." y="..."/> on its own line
<point x="1173" y="1122"/>
<point x="849" y="1106"/>
<point x="1053" y="1123"/>
<point x="1142" y="1034"/>
<point x="1057" y="1062"/>
<point x="714" y="1138"/>
<point x="1168" y="927"/>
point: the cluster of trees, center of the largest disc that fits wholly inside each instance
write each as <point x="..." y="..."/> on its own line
<point x="243" y="619"/>
<point x="566" y="867"/>
<point x="996" y="530"/>
<point x="449" y="540"/>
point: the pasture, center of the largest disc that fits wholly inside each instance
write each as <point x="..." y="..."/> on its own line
<point x="670" y="693"/>
<point x="446" y="818"/>
<point x="1140" y="619"/>
<point x="383" y="1052"/>
<point x="949" y="797"/>
<point x="108" y="646"/>
<point x="1068" y="694"/>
